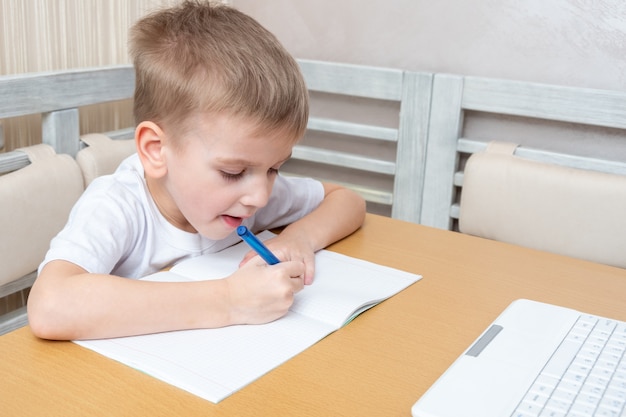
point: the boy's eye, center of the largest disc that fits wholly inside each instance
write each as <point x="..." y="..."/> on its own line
<point x="228" y="176"/>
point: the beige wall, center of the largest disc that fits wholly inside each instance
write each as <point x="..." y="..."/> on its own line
<point x="574" y="42"/>
<point x="569" y="42"/>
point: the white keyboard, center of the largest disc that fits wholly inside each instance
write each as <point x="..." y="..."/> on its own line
<point x="586" y="376"/>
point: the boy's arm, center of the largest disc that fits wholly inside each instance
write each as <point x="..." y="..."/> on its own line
<point x="67" y="303"/>
<point x="340" y="213"/>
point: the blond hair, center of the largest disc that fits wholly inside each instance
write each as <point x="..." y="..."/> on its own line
<point x="208" y="57"/>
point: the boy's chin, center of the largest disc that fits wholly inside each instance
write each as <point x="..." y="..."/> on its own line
<point x="217" y="231"/>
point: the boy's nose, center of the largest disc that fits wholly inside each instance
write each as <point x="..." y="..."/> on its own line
<point x="258" y="194"/>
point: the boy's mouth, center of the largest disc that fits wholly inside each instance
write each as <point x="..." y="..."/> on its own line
<point x="232" y="221"/>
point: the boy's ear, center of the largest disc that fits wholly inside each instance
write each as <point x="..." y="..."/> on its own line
<point x="149" y="140"/>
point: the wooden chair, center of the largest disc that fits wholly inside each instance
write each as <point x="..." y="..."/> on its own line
<point x="348" y="141"/>
<point x="37" y="200"/>
<point x="38" y="184"/>
<point x="525" y="195"/>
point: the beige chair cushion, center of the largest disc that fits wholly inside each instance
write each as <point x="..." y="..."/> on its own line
<point x="102" y="156"/>
<point x="564" y="210"/>
<point x="36" y="201"/>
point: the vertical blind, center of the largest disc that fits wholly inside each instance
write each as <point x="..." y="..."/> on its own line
<point x="51" y="35"/>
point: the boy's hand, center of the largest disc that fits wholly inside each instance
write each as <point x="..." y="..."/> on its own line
<point x="288" y="248"/>
<point x="260" y="293"/>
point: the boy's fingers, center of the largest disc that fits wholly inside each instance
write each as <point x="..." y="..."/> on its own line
<point x="297" y="284"/>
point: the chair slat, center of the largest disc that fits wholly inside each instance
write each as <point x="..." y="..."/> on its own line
<point x="33" y="93"/>
<point x="343" y="159"/>
<point x="12" y="161"/>
<point x="551" y="102"/>
<point x="353" y="80"/>
<point x="353" y="129"/>
<point x="574" y="161"/>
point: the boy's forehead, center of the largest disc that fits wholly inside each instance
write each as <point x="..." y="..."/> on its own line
<point x="204" y="123"/>
<point x="237" y="140"/>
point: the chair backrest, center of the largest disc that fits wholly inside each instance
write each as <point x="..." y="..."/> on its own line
<point x="58" y="95"/>
<point x="367" y="131"/>
<point x="102" y="156"/>
<point x="36" y="200"/>
<point x="565" y="174"/>
<point x="570" y="211"/>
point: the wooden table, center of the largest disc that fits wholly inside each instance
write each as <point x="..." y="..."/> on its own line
<point x="378" y="365"/>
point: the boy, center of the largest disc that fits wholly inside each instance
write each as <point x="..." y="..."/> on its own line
<point x="219" y="104"/>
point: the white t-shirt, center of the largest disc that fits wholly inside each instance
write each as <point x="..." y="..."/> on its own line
<point x="115" y="226"/>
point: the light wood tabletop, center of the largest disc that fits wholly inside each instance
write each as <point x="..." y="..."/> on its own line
<point x="377" y="365"/>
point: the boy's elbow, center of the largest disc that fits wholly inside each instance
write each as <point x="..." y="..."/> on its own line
<point x="51" y="310"/>
<point x="41" y="322"/>
<point x="39" y="327"/>
<point x="43" y="318"/>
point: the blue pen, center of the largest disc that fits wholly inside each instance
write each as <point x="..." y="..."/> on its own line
<point x="257" y="245"/>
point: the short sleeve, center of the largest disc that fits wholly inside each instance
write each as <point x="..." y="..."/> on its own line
<point x="100" y="230"/>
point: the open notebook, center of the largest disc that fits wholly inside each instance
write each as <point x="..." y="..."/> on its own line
<point x="214" y="363"/>
<point x="535" y="359"/>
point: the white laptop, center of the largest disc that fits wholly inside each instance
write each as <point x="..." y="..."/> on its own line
<point x="533" y="360"/>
